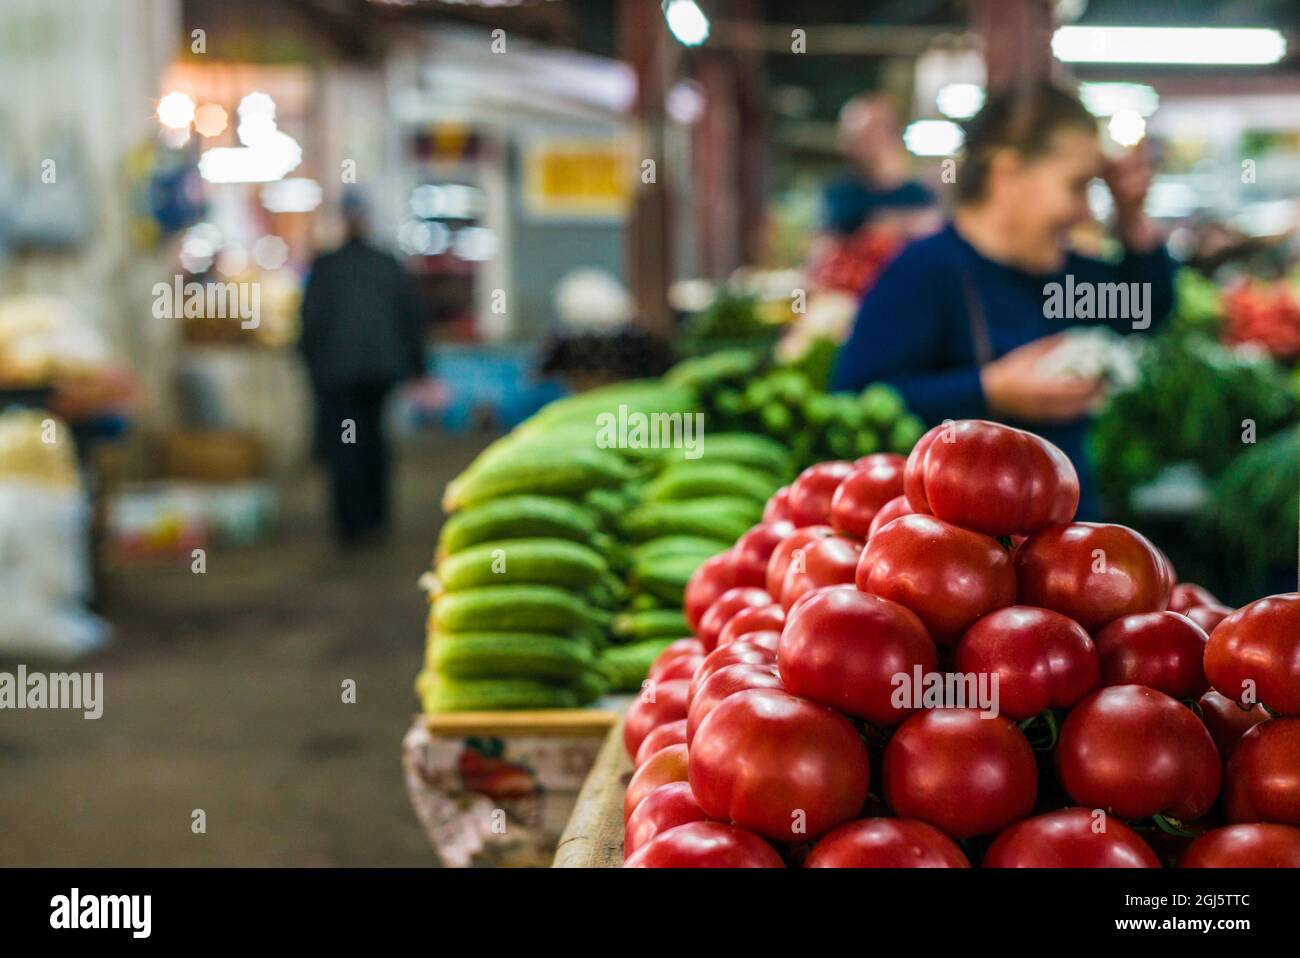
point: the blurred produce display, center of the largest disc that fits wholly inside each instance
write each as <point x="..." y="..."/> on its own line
<point x="1194" y="402"/>
<point x="1266" y="314"/>
<point x="561" y="570"/>
<point x="852" y="263"/>
<point x="733" y="319"/>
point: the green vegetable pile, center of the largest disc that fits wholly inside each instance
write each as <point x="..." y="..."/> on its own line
<point x="1193" y="402"/>
<point x="732" y="320"/>
<point x="784" y="403"/>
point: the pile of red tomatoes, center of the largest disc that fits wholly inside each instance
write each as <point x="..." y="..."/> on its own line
<point x="926" y="662"/>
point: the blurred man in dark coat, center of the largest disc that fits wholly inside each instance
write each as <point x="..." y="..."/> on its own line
<point x="361" y="336"/>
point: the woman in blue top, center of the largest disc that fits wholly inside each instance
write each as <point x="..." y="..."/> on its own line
<point x="960" y="320"/>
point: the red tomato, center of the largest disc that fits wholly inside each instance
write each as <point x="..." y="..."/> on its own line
<point x="886" y="843"/>
<point x="675" y="650"/>
<point x="994" y="479"/>
<point x="768" y="639"/>
<point x="947" y="575"/>
<point x="724" y="607"/>
<point x="728" y="680"/>
<point x="670" y="733"/>
<point x="754" y="548"/>
<point x="890" y="511"/>
<point x="1228" y="721"/>
<point x="785" y="767"/>
<point x="742" y="652"/>
<point x="1245" y="846"/>
<point x="964" y="774"/>
<point x="659" y="702"/>
<point x="1188" y="595"/>
<point x="756" y="618"/>
<point x="778" y="506"/>
<point x="1138" y="752"/>
<point x="914" y="471"/>
<point x="831" y="561"/>
<point x="1208" y="617"/>
<point x="1161" y="650"/>
<point x="1041" y="658"/>
<point x="1091" y="572"/>
<point x="705" y="845"/>
<point x="843" y="648"/>
<point x="811" y="493"/>
<point x="666" y="807"/>
<point x="664" y="766"/>
<point x="874" y="481"/>
<point x="714" y="577"/>
<point x="1263" y="777"/>
<point x="807" y="596"/>
<point x="1258" y="648"/>
<point x="1070" y="838"/>
<point x="785" y="553"/>
<point x="681" y="667"/>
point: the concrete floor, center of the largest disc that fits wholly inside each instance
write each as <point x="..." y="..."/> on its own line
<point x="223" y="692"/>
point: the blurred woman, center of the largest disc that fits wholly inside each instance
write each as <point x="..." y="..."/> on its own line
<point x="960" y="321"/>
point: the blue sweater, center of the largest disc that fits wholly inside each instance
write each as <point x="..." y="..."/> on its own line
<point x="913" y="329"/>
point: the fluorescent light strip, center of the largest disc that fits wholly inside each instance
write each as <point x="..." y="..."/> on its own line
<point x="1227" y="46"/>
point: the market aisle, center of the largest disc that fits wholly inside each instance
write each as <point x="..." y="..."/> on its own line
<point x="222" y="692"/>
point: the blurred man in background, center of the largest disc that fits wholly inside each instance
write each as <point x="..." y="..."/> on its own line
<point x="877" y="190"/>
<point x="361" y="336"/>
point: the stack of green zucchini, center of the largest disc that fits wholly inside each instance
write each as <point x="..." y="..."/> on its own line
<point x="560" y="571"/>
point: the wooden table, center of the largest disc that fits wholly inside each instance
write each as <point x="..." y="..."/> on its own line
<point x="594" y="835"/>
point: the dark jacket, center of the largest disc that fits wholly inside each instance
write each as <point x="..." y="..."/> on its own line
<point x="914" y="329"/>
<point x="361" y="319"/>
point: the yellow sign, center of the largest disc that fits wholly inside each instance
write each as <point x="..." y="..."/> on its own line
<point x="584" y="179"/>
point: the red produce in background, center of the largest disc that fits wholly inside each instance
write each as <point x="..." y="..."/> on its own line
<point x="1189" y="595"/>
<point x="874" y="481"/>
<point x="1257" y="650"/>
<point x="726" y="681"/>
<point x="714" y="577"/>
<point x="1228" y="721"/>
<point x="724" y="607"/>
<point x="754" y="548"/>
<point x="811" y="492"/>
<point x="993" y="479"/>
<point x="787" y="551"/>
<point x="962" y="772"/>
<point x="1161" y="650"/>
<point x="829" y="561"/>
<point x="658" y="703"/>
<point x="1042" y="659"/>
<point x="666" y="807"/>
<point x="1262" y="782"/>
<point x="787" y="768"/>
<point x="756" y="618"/>
<point x="1245" y="846"/>
<point x="705" y="845"/>
<point x="664" y="766"/>
<point x="886" y="843"/>
<point x="1137" y="752"/>
<point x="1070" y="838"/>
<point x="1093" y="573"/>
<point x="948" y="576"/>
<point x="660" y="737"/>
<point x="843" y="648"/>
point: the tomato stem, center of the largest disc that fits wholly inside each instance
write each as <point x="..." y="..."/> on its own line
<point x="1171" y="826"/>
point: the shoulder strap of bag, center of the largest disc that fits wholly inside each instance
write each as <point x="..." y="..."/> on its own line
<point x="977" y="320"/>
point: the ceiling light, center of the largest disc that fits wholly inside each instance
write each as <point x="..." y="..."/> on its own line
<point x="1207" y="45"/>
